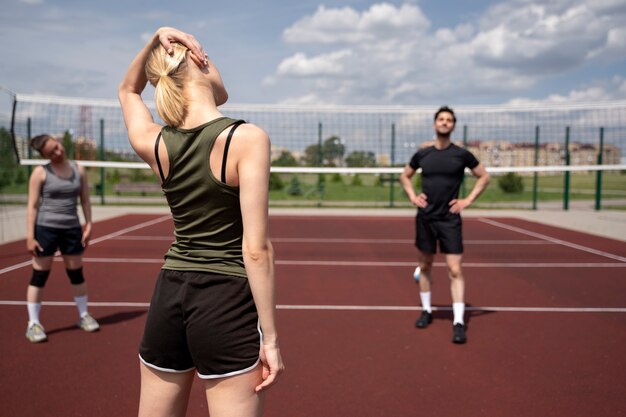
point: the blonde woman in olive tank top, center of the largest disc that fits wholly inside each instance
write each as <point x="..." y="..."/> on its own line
<point x="212" y="312"/>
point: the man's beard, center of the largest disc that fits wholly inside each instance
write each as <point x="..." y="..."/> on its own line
<point x="444" y="134"/>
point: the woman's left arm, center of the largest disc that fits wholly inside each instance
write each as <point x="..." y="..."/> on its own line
<point x="253" y="167"/>
<point x="85" y="203"/>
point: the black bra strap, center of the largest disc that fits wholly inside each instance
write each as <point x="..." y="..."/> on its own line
<point x="156" y="155"/>
<point x="226" y="145"/>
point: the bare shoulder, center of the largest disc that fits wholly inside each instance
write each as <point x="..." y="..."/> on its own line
<point x="249" y="134"/>
<point x="38" y="172"/>
<point x="38" y="175"/>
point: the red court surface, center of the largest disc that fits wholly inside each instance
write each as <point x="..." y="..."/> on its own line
<point x="546" y="323"/>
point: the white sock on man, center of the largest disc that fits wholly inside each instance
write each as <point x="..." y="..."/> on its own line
<point x="33" y="312"/>
<point x="459" y="311"/>
<point x="425" y="297"/>
<point x="81" y="303"/>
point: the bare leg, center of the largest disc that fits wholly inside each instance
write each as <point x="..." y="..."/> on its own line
<point x="457" y="283"/>
<point x="164" y="394"/>
<point x="235" y="396"/>
<point x="426" y="269"/>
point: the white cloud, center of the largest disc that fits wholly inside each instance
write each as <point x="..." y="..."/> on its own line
<point x="327" y="64"/>
<point x="31" y="1"/>
<point x="395" y="58"/>
<point x="346" y="25"/>
<point x="614" y="89"/>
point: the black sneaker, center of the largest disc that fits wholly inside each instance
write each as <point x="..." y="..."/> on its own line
<point x="458" y="332"/>
<point x="424" y="320"/>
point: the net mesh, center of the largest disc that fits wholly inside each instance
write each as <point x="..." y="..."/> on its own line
<point x="356" y="135"/>
<point x="322" y="154"/>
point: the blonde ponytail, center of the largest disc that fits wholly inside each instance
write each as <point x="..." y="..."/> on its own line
<point x="166" y="73"/>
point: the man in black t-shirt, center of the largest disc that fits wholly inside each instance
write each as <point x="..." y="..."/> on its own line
<point x="438" y="216"/>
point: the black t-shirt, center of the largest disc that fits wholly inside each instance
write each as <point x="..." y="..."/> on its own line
<point x="442" y="174"/>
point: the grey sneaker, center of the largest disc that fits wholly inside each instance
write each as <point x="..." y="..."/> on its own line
<point x="35" y="333"/>
<point x="88" y="323"/>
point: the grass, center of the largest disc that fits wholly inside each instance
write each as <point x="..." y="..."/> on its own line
<point x="364" y="190"/>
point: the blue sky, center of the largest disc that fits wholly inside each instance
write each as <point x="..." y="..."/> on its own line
<point x="333" y="52"/>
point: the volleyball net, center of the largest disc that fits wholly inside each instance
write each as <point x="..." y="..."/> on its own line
<point x="316" y="150"/>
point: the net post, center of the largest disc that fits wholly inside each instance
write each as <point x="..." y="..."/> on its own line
<point x="320" y="162"/>
<point x="535" y="175"/>
<point x="599" y="172"/>
<point x="17" y="154"/>
<point x="393" y="161"/>
<point x="29" y="135"/>
<point x="101" y="151"/>
<point x="567" y="173"/>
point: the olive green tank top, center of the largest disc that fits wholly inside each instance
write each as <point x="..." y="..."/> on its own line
<point x="206" y="212"/>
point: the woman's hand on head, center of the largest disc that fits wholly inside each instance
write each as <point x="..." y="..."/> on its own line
<point x="168" y="35"/>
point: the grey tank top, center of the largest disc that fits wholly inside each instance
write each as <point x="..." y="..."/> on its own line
<point x="59" y="196"/>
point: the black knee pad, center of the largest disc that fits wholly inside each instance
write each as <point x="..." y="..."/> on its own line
<point x="76" y="276"/>
<point x="39" y="278"/>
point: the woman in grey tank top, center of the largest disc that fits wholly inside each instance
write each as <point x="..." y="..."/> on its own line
<point x="53" y="224"/>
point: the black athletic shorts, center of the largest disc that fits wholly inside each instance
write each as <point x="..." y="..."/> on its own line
<point x="68" y="241"/>
<point x="449" y="233"/>
<point x="202" y="321"/>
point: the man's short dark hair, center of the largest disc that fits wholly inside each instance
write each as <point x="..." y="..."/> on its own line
<point x="445" y="109"/>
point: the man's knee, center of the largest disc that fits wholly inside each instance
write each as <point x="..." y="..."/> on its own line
<point x="454" y="272"/>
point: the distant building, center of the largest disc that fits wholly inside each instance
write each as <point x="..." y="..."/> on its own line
<point x="506" y="154"/>
<point x="85" y="149"/>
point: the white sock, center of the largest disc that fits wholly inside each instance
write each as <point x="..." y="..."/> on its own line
<point x="459" y="311"/>
<point x="81" y="303"/>
<point x="425" y="297"/>
<point x="33" y="312"/>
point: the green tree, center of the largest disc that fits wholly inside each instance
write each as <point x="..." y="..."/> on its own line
<point x="68" y="144"/>
<point x="361" y="159"/>
<point x="8" y="163"/>
<point x="285" y="159"/>
<point x="310" y="156"/>
<point x="295" y="188"/>
<point x="333" y="151"/>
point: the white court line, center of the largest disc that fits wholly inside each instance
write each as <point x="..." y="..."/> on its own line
<point x="356" y="240"/>
<point x="94" y="241"/>
<point x="168" y="238"/>
<point x="359" y="308"/>
<point x="553" y="240"/>
<point x="388" y="264"/>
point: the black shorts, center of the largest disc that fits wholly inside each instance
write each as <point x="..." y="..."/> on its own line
<point x="202" y="321"/>
<point x="449" y="233"/>
<point x="68" y="241"/>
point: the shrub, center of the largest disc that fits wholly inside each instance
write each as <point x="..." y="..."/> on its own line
<point x="356" y="180"/>
<point x="294" y="186"/>
<point x="275" y="182"/>
<point x="511" y="183"/>
<point x="336" y="178"/>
